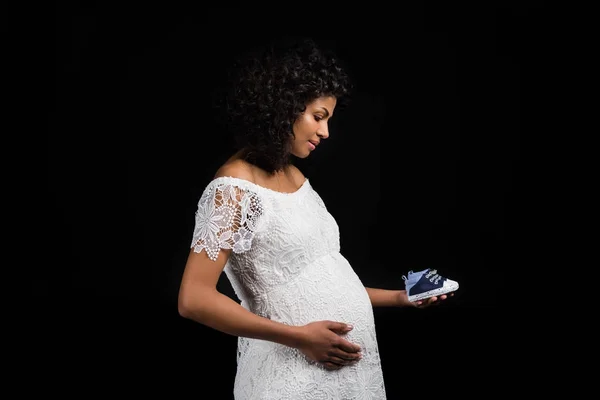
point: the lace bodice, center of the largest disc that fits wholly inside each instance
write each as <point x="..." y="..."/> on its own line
<point x="286" y="265"/>
<point x="271" y="244"/>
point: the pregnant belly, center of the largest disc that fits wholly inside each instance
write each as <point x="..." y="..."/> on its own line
<point x="327" y="289"/>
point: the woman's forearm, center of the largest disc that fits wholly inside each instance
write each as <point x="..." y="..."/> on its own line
<point x="220" y="312"/>
<point x="385" y="297"/>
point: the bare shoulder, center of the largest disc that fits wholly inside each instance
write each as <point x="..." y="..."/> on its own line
<point x="236" y="169"/>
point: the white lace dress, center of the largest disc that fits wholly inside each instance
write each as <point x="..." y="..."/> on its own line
<point x="286" y="266"/>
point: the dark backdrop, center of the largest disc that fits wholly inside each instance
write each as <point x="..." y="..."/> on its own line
<point x="425" y="168"/>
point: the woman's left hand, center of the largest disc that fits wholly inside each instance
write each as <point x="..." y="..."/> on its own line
<point x="435" y="300"/>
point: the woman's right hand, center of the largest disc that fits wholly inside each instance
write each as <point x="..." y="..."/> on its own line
<point x="321" y="343"/>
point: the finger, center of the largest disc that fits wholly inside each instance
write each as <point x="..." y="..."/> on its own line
<point x="446" y="296"/>
<point x="331" y="366"/>
<point x="341" y="361"/>
<point x="339" y="327"/>
<point x="423" y="303"/>
<point x="346" y="356"/>
<point x="348" y="347"/>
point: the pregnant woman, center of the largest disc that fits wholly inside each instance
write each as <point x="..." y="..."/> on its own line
<point x="305" y="324"/>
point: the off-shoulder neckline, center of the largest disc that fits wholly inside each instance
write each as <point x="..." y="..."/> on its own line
<point x="252" y="184"/>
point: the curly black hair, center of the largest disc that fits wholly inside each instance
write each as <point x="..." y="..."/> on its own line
<point x="269" y="90"/>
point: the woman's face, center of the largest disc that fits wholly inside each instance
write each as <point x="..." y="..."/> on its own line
<point x="312" y="126"/>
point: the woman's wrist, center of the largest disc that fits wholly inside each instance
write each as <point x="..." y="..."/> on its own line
<point x="293" y="337"/>
<point x="402" y="299"/>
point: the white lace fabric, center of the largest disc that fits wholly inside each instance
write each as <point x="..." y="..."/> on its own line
<point x="286" y="265"/>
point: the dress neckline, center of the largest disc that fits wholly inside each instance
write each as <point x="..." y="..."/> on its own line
<point x="255" y="185"/>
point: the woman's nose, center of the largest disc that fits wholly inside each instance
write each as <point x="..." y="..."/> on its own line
<point x="323" y="133"/>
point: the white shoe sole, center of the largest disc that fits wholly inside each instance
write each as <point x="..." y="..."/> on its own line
<point x="436" y="292"/>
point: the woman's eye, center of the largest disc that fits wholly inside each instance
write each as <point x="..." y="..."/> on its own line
<point x="318" y="118"/>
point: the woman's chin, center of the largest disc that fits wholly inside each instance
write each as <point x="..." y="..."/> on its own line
<point x="301" y="155"/>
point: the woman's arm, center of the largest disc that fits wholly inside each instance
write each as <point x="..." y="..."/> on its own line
<point x="387" y="298"/>
<point x="200" y="301"/>
<point x="399" y="298"/>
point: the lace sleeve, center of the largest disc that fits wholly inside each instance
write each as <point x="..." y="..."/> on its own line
<point x="226" y="218"/>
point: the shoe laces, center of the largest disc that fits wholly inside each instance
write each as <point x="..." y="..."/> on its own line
<point x="433" y="276"/>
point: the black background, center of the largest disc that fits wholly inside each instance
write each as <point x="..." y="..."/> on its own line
<point x="427" y="167"/>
